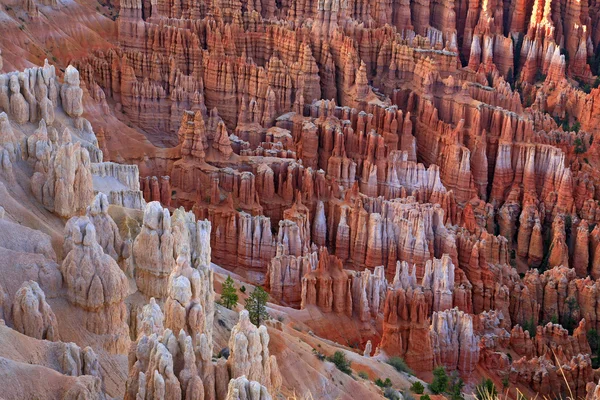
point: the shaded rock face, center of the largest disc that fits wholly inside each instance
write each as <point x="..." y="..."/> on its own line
<point x="95" y="284"/>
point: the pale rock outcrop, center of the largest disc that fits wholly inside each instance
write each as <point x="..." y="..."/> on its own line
<point x="66" y="186"/>
<point x="153" y="251"/>
<point x="455" y="346"/>
<point x="368" y="349"/>
<point x="249" y="347"/>
<point x="439" y="278"/>
<point x="107" y="231"/>
<point x="193" y="270"/>
<point x="95" y="284"/>
<point x="71" y="94"/>
<point x="184" y="307"/>
<point x="32" y="315"/>
<point x="150" y="319"/>
<point x="8" y="141"/>
<point x="19" y="108"/>
<point x="368" y="293"/>
<point x="243" y="389"/>
<point x="285" y="273"/>
<point x="151" y="372"/>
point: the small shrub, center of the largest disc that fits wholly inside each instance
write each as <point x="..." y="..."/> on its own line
<point x="383" y="384"/>
<point x="341" y="362"/>
<point x="425" y="397"/>
<point x="579" y="147"/>
<point x="399" y="365"/>
<point x="505" y="382"/>
<point x="456" y="387"/>
<point x="417" y="387"/>
<point x="318" y="354"/>
<point x="407" y="395"/>
<point x="539" y="77"/>
<point x="243" y="289"/>
<point x="486" y="390"/>
<point x="391" y="394"/>
<point x="363" y="375"/>
<point x="440" y="381"/>
<point x="530" y="327"/>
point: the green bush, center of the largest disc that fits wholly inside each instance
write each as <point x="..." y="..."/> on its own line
<point x="417" y="387"/>
<point x="456" y="387"/>
<point x="399" y="365"/>
<point x="440" y="381"/>
<point x="579" y="147"/>
<point x="530" y="327"/>
<point x="363" y="375"/>
<point x="256" y="304"/>
<point x="341" y="362"/>
<point x="383" y="384"/>
<point x="229" y="297"/>
<point x="425" y="397"/>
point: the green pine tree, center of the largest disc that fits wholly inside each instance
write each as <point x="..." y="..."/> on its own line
<point x="256" y="304"/>
<point x="229" y="296"/>
<point x="440" y="381"/>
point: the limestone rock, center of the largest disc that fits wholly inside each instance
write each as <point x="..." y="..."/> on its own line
<point x="329" y="286"/>
<point x="241" y="389"/>
<point x="453" y="340"/>
<point x="249" y="347"/>
<point x="71" y="94"/>
<point x="66" y="187"/>
<point x="95" y="283"/>
<point x="153" y="251"/>
<point x="32" y="315"/>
